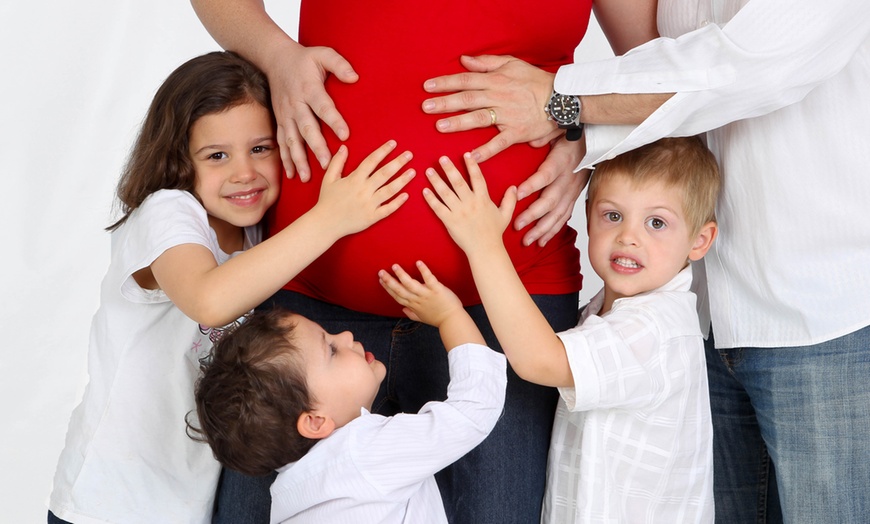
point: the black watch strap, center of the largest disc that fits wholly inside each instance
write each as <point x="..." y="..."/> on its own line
<point x="574" y="133"/>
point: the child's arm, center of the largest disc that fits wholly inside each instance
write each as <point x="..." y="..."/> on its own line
<point x="215" y="295"/>
<point x="477" y="225"/>
<point x="433" y="303"/>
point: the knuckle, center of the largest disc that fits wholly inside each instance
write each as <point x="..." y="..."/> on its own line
<point x="467" y="97"/>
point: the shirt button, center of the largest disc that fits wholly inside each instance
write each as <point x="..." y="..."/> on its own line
<point x="703" y="23"/>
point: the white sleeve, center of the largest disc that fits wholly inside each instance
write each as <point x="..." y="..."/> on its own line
<point x="616" y="361"/>
<point x="771" y="54"/>
<point x="165" y="219"/>
<point x="442" y="432"/>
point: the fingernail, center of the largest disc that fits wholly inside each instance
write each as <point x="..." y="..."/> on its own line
<point x="477" y="156"/>
<point x="521" y="194"/>
<point x="521" y="224"/>
<point x="442" y="125"/>
<point x="428" y="105"/>
<point x="428" y="85"/>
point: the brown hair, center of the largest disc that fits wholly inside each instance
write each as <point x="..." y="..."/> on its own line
<point x="677" y="162"/>
<point x="251" y="395"/>
<point x="204" y="85"/>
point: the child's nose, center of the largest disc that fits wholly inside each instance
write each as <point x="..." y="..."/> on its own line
<point x="244" y="172"/>
<point x="627" y="235"/>
<point x="346" y="338"/>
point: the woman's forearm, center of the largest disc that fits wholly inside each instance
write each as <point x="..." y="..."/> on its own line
<point x="244" y="26"/>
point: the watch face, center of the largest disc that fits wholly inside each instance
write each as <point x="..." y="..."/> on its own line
<point x="564" y="108"/>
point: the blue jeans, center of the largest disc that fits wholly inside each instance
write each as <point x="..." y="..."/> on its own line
<point x="792" y="432"/>
<point x="501" y="481"/>
<point x="52" y="519"/>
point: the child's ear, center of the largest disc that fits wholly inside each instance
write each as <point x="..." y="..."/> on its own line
<point x="703" y="241"/>
<point x="313" y="425"/>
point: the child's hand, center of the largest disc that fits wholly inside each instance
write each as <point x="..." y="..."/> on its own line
<point x="433" y="303"/>
<point x="471" y="217"/>
<point x="357" y="201"/>
<point x="430" y="301"/>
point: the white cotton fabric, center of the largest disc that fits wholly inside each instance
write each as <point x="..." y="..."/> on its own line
<point x="381" y="469"/>
<point x="787" y="81"/>
<point x="633" y="440"/>
<point x="128" y="458"/>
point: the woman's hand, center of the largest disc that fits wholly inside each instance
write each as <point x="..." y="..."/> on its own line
<point x="350" y="204"/>
<point x="300" y="102"/>
<point x="498" y="90"/>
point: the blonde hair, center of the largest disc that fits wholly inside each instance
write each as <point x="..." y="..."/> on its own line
<point x="683" y="162"/>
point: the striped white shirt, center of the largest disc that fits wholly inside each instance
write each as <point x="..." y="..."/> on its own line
<point x="783" y="84"/>
<point x="632" y="441"/>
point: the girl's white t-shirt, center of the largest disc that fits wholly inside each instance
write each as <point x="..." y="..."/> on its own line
<point x="128" y="457"/>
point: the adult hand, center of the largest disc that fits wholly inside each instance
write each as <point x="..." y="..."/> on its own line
<point x="300" y="102"/>
<point x="500" y="90"/>
<point x="561" y="188"/>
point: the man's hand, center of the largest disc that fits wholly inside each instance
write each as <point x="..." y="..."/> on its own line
<point x="515" y="92"/>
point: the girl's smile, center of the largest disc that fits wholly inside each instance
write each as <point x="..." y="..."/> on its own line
<point x="238" y="169"/>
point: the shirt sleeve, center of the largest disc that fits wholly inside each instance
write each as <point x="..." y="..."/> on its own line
<point x="617" y="361"/>
<point x="771" y="54"/>
<point x="166" y="219"/>
<point x="441" y="432"/>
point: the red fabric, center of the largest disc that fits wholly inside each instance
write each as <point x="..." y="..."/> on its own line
<point x="394" y="51"/>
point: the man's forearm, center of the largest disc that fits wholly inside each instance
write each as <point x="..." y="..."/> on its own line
<point x="620" y="108"/>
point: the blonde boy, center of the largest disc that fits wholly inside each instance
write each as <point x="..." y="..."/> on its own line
<point x="632" y="439"/>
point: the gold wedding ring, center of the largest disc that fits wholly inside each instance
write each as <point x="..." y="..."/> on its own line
<point x="492" y="117"/>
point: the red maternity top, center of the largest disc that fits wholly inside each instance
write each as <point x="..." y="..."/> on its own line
<point x="394" y="51"/>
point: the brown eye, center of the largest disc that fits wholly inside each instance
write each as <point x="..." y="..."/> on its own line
<point x="656" y="223"/>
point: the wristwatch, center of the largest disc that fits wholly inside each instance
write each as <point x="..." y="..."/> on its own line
<point x="565" y="110"/>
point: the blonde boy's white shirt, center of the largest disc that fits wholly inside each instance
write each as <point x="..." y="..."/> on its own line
<point x="783" y="85"/>
<point x="632" y="441"/>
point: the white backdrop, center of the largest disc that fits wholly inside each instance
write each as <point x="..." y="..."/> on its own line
<point x="76" y="81"/>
